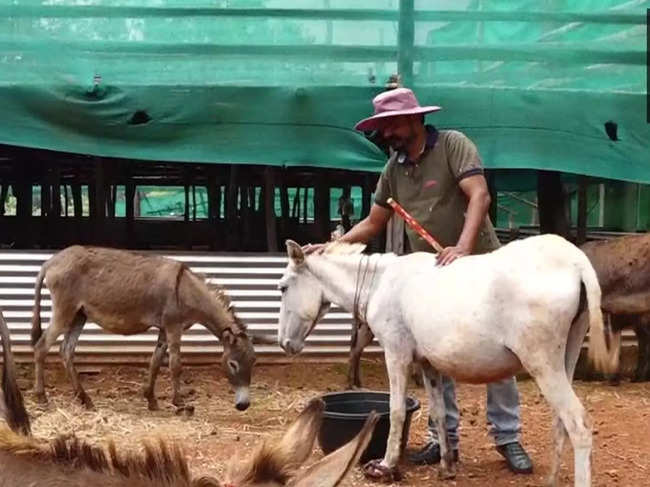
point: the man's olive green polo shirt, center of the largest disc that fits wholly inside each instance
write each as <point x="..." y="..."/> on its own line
<point x="429" y="190"/>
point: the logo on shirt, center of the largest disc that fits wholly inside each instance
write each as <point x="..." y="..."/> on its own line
<point x="430" y="183"/>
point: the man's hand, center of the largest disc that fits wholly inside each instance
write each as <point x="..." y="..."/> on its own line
<point x="450" y="254"/>
<point x="316" y="249"/>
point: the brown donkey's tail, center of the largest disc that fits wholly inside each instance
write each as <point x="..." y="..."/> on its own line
<point x="12" y="407"/>
<point x="36" y="314"/>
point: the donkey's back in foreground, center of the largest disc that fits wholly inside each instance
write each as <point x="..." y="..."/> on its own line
<point x="481" y="319"/>
<point x="69" y="462"/>
<point x="126" y="293"/>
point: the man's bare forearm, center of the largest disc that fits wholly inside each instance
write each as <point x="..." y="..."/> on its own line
<point x="477" y="209"/>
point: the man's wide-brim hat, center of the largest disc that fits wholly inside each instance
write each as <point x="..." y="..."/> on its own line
<point x="400" y="101"/>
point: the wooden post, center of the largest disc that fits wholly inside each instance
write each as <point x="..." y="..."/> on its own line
<point x="3" y="198"/>
<point x="186" y="187"/>
<point x="129" y="195"/>
<point x="56" y="192"/>
<point x="77" y="201"/>
<point x="581" y="236"/>
<point x="491" y="182"/>
<point x="22" y="190"/>
<point x="92" y="200"/>
<point x="551" y="204"/>
<point x="269" y="209"/>
<point x="214" y="195"/>
<point x="99" y="191"/>
<point x="45" y="194"/>
<point x="111" y="197"/>
<point x="245" y="213"/>
<point x="284" y="206"/>
<point x="304" y="205"/>
<point x="193" y="202"/>
<point x="295" y="212"/>
<point x="186" y="216"/>
<point x="322" y="217"/>
<point x="365" y="198"/>
<point x="284" y="196"/>
<point x="232" y="237"/>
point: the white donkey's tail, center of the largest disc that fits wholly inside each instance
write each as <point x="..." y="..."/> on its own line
<point x="604" y="359"/>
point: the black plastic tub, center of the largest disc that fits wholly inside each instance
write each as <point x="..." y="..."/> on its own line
<point x="346" y="412"/>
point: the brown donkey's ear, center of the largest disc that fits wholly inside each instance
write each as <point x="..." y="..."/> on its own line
<point x="277" y="462"/>
<point x="331" y="470"/>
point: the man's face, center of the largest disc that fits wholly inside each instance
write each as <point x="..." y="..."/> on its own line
<point x="399" y="132"/>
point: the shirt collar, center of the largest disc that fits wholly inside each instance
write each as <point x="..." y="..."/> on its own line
<point x="430" y="142"/>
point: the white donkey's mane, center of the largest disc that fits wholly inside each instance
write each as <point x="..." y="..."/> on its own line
<point x="344" y="248"/>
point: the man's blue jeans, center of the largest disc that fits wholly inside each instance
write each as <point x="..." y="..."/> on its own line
<point x="502" y="412"/>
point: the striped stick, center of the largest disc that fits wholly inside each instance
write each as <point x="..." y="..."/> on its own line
<point x="411" y="222"/>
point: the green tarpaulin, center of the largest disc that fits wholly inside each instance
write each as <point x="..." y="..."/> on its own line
<point x="283" y="82"/>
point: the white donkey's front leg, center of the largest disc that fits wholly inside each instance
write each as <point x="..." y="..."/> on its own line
<point x="397" y="365"/>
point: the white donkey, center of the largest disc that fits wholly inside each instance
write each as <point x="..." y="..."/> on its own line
<point x="481" y="319"/>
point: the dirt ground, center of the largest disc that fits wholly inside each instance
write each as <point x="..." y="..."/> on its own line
<point x="217" y="431"/>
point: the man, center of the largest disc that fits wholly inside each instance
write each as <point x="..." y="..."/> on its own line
<point x="437" y="176"/>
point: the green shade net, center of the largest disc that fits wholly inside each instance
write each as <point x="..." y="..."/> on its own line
<point x="283" y="83"/>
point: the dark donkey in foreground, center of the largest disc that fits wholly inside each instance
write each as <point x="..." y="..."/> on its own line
<point x="623" y="268"/>
<point x="70" y="462"/>
<point x="127" y="293"/>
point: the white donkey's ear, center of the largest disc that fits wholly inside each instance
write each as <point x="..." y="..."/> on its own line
<point x="295" y="252"/>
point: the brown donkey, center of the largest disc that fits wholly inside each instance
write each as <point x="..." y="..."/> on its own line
<point x="69" y="462"/>
<point x="127" y="293"/>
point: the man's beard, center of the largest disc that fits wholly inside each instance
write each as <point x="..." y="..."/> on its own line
<point x="400" y="144"/>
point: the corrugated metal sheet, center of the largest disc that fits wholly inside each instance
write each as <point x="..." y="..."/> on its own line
<point x="250" y="280"/>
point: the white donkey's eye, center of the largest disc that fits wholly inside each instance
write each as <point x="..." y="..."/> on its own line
<point x="282" y="289"/>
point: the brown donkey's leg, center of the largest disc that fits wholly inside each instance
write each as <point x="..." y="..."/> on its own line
<point x="154" y="367"/>
<point x="67" y="349"/>
<point x="362" y="339"/>
<point x="57" y="326"/>
<point x="174" y="341"/>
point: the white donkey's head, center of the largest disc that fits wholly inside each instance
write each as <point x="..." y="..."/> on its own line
<point x="304" y="296"/>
